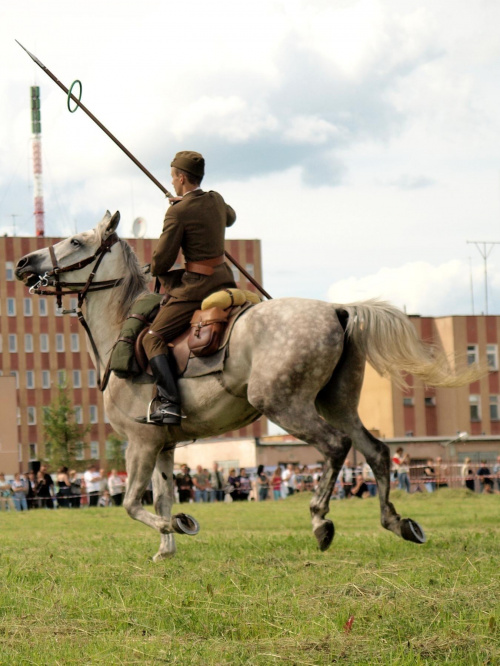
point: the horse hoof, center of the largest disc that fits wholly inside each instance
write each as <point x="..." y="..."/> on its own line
<point x="184" y="524"/>
<point x="411" y="531"/>
<point x="324" y="534"/>
<point x="163" y="555"/>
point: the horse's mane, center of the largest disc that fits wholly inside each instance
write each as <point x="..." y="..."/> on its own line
<point x="134" y="282"/>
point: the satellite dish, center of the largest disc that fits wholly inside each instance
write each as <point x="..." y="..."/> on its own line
<point x="139" y="227"/>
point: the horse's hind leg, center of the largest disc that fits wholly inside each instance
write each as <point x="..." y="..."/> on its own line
<point x="163" y="494"/>
<point x="337" y="403"/>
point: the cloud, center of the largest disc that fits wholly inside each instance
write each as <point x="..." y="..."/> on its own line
<point x="422" y="288"/>
<point x="408" y="182"/>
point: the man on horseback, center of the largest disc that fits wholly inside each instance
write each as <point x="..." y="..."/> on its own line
<point x="195" y="223"/>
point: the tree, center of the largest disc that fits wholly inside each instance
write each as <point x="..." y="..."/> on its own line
<point x="63" y="436"/>
<point x="115" y="452"/>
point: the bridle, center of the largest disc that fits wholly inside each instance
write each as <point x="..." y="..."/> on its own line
<point x="60" y="289"/>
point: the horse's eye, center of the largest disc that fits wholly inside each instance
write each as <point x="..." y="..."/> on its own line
<point x="75" y="242"/>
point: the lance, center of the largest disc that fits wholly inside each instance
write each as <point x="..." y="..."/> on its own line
<point x="133" y="158"/>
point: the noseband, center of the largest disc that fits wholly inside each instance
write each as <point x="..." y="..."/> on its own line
<point x="60" y="289"/>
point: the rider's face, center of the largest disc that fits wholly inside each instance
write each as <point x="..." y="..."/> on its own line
<point x="177" y="181"/>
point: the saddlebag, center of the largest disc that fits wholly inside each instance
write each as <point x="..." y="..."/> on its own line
<point x="207" y="328"/>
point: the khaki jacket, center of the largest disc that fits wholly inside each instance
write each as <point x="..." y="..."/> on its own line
<point x="196" y="225"/>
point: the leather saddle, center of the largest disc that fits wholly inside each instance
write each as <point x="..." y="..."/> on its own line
<point x="207" y="335"/>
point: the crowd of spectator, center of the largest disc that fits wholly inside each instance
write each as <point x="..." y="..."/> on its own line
<point x="65" y="489"/>
<point x="97" y="488"/>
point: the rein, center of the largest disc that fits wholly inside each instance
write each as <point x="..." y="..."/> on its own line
<point x="60" y="289"/>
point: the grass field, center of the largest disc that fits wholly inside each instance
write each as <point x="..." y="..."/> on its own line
<point x="78" y="587"/>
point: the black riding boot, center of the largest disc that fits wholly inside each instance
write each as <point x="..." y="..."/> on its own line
<point x="169" y="410"/>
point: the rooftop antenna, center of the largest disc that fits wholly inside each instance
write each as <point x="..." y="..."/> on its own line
<point x="36" y="129"/>
<point x="485" y="248"/>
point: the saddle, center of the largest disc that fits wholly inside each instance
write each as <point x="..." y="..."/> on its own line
<point x="207" y="336"/>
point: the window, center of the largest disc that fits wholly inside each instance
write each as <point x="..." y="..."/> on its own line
<point x="78" y="414"/>
<point x="408" y="402"/>
<point x="93" y="413"/>
<point x="14" y="373"/>
<point x="28" y="307"/>
<point x="12" y="343"/>
<point x="44" y="342"/>
<point x="92" y="379"/>
<point x="45" y="379"/>
<point x="94" y="450"/>
<point x="236" y="274"/>
<point x="492" y="357"/>
<point x="494" y="413"/>
<point x="9" y="271"/>
<point x="11" y="307"/>
<point x="250" y="269"/>
<point x="57" y="311"/>
<point x="28" y="343"/>
<point x="472" y="354"/>
<point x="59" y="342"/>
<point x="79" y="451"/>
<point x="42" y="307"/>
<point x="73" y="304"/>
<point x="430" y="401"/>
<point x="30" y="379"/>
<point x="61" y="378"/>
<point x="475" y="407"/>
<point x="32" y="451"/>
<point x="31" y="415"/>
<point x="77" y="379"/>
<point x="75" y="342"/>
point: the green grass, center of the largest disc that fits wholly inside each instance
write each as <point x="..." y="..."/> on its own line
<point x="79" y="587"/>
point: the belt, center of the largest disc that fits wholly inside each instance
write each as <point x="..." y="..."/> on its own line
<point x="205" y="266"/>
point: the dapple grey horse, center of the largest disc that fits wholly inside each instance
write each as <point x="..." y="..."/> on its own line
<point x="298" y="362"/>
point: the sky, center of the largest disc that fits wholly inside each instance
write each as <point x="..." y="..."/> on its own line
<point x="359" y="140"/>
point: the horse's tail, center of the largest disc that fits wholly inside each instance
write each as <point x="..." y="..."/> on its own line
<point x="391" y="345"/>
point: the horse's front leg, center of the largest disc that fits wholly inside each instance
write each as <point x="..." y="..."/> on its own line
<point x="163" y="493"/>
<point x="141" y="459"/>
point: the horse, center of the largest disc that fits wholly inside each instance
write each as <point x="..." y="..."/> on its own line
<point x="298" y="362"/>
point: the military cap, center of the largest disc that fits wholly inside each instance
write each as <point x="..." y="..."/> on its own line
<point x="189" y="161"/>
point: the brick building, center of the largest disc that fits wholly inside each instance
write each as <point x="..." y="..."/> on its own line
<point x="41" y="349"/>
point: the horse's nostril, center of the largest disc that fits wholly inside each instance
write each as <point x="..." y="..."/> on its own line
<point x="22" y="263"/>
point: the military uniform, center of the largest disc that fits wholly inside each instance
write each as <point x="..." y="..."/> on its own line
<point x="196" y="224"/>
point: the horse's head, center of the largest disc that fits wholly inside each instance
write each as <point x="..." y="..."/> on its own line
<point x="75" y="257"/>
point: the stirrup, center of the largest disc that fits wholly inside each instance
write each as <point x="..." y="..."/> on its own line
<point x="168" y="417"/>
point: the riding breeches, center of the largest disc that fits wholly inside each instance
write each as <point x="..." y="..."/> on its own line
<point x="172" y="320"/>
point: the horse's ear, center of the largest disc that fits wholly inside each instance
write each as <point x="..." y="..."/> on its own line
<point x="112" y="224"/>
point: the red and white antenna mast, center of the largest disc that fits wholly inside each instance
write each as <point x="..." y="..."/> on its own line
<point x="36" y="129"/>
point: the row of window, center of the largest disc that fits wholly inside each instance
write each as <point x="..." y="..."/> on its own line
<point x="474" y="406"/>
<point x="74" y="343"/>
<point x="62" y="377"/>
<point x="43" y="310"/>
<point x="491" y="356"/>
<point x="80" y="453"/>
<point x="93" y="415"/>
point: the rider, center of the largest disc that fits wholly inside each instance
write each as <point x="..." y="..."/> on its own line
<point x="196" y="223"/>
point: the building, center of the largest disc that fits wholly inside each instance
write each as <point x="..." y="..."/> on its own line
<point x="421" y="411"/>
<point x="41" y="349"/>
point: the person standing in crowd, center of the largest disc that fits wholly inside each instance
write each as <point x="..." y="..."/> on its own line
<point x="276" y="481"/>
<point x="116" y="487"/>
<point x="430" y="476"/>
<point x="441" y="470"/>
<point x="200" y="482"/>
<point x="232" y="484"/>
<point x="288" y="479"/>
<point x="359" y="489"/>
<point x="395" y="463"/>
<point x="104" y="499"/>
<point x="184" y="483"/>
<point x="75" y="485"/>
<point x="103" y="483"/>
<point x="244" y="486"/>
<point x="496" y="472"/>
<point x="217" y="483"/>
<point x="31" y="497"/>
<point x="369" y="479"/>
<point x="262" y="484"/>
<point x="467" y="474"/>
<point x="63" y="487"/>
<point x="92" y="480"/>
<point x="45" y="484"/>
<point x="404" y="472"/>
<point x="484" y="476"/>
<point x="6" y="501"/>
<point x="347" y="478"/>
<point x="19" y="491"/>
